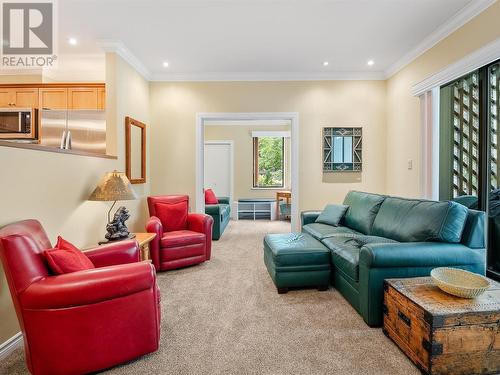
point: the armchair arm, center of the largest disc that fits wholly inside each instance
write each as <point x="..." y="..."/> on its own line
<point x="419" y="254"/>
<point x="202" y="223"/>
<point x="308" y="217"/>
<point x="89" y="286"/>
<point x="224" y="200"/>
<point x="114" y="253"/>
<point x="154" y="225"/>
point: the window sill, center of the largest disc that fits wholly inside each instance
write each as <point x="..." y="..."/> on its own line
<point x="269" y="188"/>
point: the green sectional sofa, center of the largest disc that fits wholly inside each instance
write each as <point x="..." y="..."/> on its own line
<point x="382" y="237"/>
<point x="221" y="213"/>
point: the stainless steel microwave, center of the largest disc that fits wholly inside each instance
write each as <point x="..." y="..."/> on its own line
<point x="18" y="123"/>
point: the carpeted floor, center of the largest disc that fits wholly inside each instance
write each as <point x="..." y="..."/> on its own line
<point x="225" y="317"/>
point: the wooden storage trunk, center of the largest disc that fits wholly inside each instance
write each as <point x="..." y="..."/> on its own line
<point x="440" y="333"/>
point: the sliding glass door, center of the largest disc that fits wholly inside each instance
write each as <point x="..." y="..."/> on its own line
<point x="468" y="160"/>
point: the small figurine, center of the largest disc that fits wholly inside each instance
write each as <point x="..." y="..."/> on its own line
<point x="116" y="228"/>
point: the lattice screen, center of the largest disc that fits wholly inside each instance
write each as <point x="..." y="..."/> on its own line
<point x="466" y="136"/>
<point x="495" y="114"/>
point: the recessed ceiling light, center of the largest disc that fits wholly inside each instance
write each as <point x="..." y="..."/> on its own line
<point x="370" y="62"/>
<point x="325" y="63"/>
<point x="73" y="41"/>
<point x="165" y="64"/>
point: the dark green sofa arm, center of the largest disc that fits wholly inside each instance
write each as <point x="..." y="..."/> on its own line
<point x="212" y="209"/>
<point x="378" y="262"/>
<point x="308" y="217"/>
<point x="224" y="200"/>
<point x="419" y="254"/>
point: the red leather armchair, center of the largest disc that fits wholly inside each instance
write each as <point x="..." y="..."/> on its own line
<point x="182" y="239"/>
<point x="83" y="321"/>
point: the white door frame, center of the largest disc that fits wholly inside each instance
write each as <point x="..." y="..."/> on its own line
<point x="231" y="164"/>
<point x="293" y="117"/>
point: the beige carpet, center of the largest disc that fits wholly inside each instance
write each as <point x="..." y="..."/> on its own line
<point x="225" y="317"/>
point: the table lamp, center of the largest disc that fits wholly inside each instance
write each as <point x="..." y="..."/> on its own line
<point x="115" y="186"/>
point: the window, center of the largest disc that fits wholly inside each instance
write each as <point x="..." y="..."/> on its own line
<point x="268" y="162"/>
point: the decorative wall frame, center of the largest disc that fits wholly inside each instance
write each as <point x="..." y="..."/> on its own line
<point x="342" y="149"/>
<point x="135" y="150"/>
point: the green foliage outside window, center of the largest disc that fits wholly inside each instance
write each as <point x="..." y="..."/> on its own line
<point x="270" y="162"/>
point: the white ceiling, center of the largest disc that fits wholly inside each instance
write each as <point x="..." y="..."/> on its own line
<point x="259" y="39"/>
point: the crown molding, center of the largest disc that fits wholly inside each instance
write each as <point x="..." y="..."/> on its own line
<point x="473" y="61"/>
<point x="116" y="46"/>
<point x="265" y="76"/>
<point x="458" y="20"/>
<point x="252" y="123"/>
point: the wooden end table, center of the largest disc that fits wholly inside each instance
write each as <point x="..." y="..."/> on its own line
<point x="441" y="333"/>
<point x="144" y="239"/>
<point x="285" y="195"/>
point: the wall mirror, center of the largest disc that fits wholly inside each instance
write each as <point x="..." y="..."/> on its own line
<point x="342" y="149"/>
<point x="135" y="150"/>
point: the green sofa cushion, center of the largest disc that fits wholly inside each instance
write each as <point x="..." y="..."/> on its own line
<point x="345" y="251"/>
<point x="473" y="235"/>
<point x="363" y="208"/>
<point x="415" y="220"/>
<point x="320" y="231"/>
<point x="332" y="214"/>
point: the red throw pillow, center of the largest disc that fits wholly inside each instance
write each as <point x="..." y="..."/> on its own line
<point x="172" y="216"/>
<point x="66" y="258"/>
<point x="210" y="197"/>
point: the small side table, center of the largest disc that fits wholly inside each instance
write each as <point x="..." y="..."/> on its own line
<point x="285" y="195"/>
<point x="144" y="239"/>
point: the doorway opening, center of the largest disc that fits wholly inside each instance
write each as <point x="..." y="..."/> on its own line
<point x="251" y="158"/>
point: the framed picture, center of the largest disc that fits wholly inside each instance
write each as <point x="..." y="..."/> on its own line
<point x="342" y="149"/>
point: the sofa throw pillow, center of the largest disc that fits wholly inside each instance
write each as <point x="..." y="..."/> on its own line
<point x="173" y="216"/>
<point x="66" y="258"/>
<point x="210" y="197"/>
<point x="332" y="214"/>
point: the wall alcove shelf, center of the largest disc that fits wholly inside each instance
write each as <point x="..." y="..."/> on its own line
<point x="35" y="146"/>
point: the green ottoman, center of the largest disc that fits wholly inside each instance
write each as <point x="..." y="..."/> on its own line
<point x="296" y="260"/>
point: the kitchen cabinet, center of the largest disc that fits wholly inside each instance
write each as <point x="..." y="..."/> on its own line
<point x="19" y="97"/>
<point x="82" y="98"/>
<point x="101" y="98"/>
<point x="66" y="96"/>
<point x="53" y="98"/>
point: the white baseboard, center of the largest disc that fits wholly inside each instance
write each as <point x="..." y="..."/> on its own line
<point x="10" y="345"/>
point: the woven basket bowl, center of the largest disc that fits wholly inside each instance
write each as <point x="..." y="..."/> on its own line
<point x="459" y="283"/>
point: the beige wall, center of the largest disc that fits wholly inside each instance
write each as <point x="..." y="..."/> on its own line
<point x="403" y="110"/>
<point x="53" y="188"/>
<point x="333" y="103"/>
<point x="243" y="157"/>
<point x="26" y="78"/>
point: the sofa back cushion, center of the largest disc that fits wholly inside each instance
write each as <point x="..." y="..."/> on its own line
<point x="363" y="208"/>
<point x="415" y="220"/>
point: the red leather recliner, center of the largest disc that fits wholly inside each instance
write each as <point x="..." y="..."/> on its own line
<point x="182" y="239"/>
<point x="83" y="321"/>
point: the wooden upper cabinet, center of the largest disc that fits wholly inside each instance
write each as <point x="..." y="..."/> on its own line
<point x="58" y="96"/>
<point x="101" y="98"/>
<point x="19" y="97"/>
<point x="6" y="97"/>
<point x="26" y="98"/>
<point x="53" y="98"/>
<point x="83" y="98"/>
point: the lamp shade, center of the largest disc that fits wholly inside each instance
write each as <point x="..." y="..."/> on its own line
<point x="114" y="186"/>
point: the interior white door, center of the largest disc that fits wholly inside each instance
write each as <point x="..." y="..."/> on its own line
<point x="218" y="168"/>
